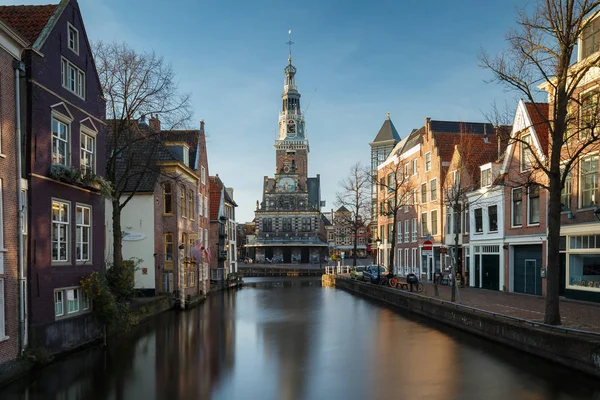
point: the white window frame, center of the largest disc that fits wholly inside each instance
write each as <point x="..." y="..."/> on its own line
<point x="526" y="165"/>
<point x="205" y="238"/>
<point x="203" y="174"/>
<point x="67" y="230"/>
<point x="488" y="173"/>
<point x="79" y="234"/>
<point x="414" y="166"/>
<point x="407" y="231"/>
<point x="206" y="206"/>
<point x="59" y="293"/>
<point x="415" y="232"/>
<point x="71" y="75"/>
<point x="428" y="161"/>
<point x="529" y="203"/>
<point x="432" y="186"/>
<point x="423" y="200"/>
<point x="399" y="234"/>
<point x="426" y="225"/>
<point x="414" y="259"/>
<point x="512" y="208"/>
<point x="490" y="220"/>
<point x="60" y="140"/>
<point x="480" y="209"/>
<point x="581" y="177"/>
<point x="75" y="300"/>
<point x="185" y="154"/>
<point x="398" y="260"/>
<point x="75" y="47"/>
<point x="86" y="153"/>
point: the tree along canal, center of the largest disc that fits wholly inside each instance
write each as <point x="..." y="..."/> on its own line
<point x="289" y="339"/>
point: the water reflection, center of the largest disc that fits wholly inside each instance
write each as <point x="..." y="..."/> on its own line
<point x="290" y="340"/>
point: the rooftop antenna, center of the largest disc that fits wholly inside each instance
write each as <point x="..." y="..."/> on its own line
<point x="290" y="43"/>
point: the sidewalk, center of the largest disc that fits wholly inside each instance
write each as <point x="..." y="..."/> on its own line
<point x="576" y="315"/>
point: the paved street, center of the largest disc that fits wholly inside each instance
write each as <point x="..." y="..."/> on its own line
<point x="577" y="315"/>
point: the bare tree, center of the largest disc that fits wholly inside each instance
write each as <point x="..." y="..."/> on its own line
<point x="355" y="196"/>
<point x="539" y="58"/>
<point x="395" y="193"/>
<point x="135" y="85"/>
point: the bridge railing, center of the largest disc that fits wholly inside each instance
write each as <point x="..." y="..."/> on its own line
<point x="336" y="269"/>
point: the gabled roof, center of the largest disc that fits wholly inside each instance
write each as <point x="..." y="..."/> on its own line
<point x="28" y="21"/>
<point x="538" y="112"/>
<point x="460" y="127"/>
<point x="342" y="209"/>
<point x="215" y="195"/>
<point x="387" y="132"/>
<point x="415" y="138"/>
<point x="447" y="134"/>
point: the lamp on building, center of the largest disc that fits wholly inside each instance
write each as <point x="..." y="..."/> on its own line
<point x="597" y="213"/>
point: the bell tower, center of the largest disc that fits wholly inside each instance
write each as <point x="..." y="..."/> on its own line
<point x="291" y="145"/>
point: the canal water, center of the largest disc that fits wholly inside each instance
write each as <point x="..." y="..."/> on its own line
<point x="293" y="339"/>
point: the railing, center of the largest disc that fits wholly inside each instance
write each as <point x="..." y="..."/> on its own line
<point x="336" y="270"/>
<point x="289" y="239"/>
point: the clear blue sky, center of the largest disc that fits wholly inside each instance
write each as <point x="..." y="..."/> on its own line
<point x="355" y="60"/>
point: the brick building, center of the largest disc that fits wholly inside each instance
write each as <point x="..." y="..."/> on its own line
<point x="12" y="301"/>
<point x="63" y="127"/>
<point x="165" y="224"/>
<point x="223" y="231"/>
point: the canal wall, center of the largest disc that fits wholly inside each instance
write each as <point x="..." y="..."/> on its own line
<point x="569" y="347"/>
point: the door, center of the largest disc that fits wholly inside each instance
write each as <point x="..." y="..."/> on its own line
<point x="269" y="253"/>
<point x="305" y="255"/>
<point x="167" y="282"/>
<point x="477" y="269"/>
<point x="287" y="255"/>
<point x="490" y="271"/>
<point x="527" y="267"/>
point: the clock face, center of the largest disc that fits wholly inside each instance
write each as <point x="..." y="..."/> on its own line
<point x="291" y="127"/>
<point x="286" y="185"/>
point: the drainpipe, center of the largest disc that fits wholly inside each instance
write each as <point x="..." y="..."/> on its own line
<point x="18" y="67"/>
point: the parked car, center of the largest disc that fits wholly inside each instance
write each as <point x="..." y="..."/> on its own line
<point x="371" y="273"/>
<point x="357" y="272"/>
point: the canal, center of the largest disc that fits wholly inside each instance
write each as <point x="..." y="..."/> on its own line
<point x="293" y="339"/>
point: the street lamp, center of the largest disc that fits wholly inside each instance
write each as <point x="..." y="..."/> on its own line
<point x="378" y="242"/>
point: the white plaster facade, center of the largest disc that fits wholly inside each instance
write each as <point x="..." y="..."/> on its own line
<point x="137" y="222"/>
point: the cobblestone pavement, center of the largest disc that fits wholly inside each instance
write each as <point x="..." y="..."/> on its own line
<point x="574" y="314"/>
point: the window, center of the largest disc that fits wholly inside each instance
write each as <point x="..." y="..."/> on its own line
<point x="183" y="202"/>
<point x="60" y="231"/>
<point x="517" y="201"/>
<point x="206" y="206"/>
<point x="414" y="166"/>
<point x="493" y="218"/>
<point x="526" y="156"/>
<point x="415" y="198"/>
<point x="390" y="229"/>
<point x="391" y="182"/>
<point x="191" y="203"/>
<point x="72" y="301"/>
<point x="467" y="219"/>
<point x="478" y="220"/>
<point x="382" y="233"/>
<point x="73" y="79"/>
<point x="448" y="220"/>
<point x="287" y="225"/>
<point x="434" y="222"/>
<point x="73" y="38"/>
<point x="486" y="177"/>
<point x="399" y="259"/>
<point x="424" y="229"/>
<point x="203" y="175"/>
<point x="399" y="232"/>
<point x="58" y="303"/>
<point x="414" y="229"/>
<point x="185" y="152"/>
<point x="414" y="259"/>
<point x="25" y="208"/>
<point x="85" y="301"/>
<point x="406" y="173"/>
<point x="267" y="225"/>
<point x="305" y="224"/>
<point x="168" y="247"/>
<point x="60" y="142"/>
<point x="184" y="243"/>
<point x="427" y="162"/>
<point x="407" y="231"/>
<point x="456" y="219"/>
<point x="83" y="224"/>
<point x="565" y="194"/>
<point x="206" y="238"/>
<point x="534" y="205"/>
<point x="423" y="192"/>
<point x="589" y="113"/>
<point x="167" y="198"/>
<point x="433" y="189"/>
<point x="200" y="209"/>
<point x="588" y="180"/>
<point x="87" y="154"/>
<point x="406" y="257"/>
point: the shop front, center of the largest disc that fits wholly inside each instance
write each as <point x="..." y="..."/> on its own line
<point x="581" y="265"/>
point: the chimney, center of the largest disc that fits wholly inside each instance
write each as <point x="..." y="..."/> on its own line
<point x="201" y="126"/>
<point x="154" y="123"/>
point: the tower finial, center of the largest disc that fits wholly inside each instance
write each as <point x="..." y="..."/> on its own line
<point x="387" y="115"/>
<point x="290" y="43"/>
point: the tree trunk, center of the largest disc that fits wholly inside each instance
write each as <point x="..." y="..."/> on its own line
<point x="355" y="243"/>
<point x="117" y="235"/>
<point x="454" y="263"/>
<point x="552" y="312"/>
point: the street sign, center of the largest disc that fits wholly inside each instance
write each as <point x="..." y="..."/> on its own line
<point x="342" y="255"/>
<point x="427" y="249"/>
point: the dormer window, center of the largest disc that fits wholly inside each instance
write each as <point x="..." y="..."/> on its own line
<point x="590" y="39"/>
<point x="73" y="38"/>
<point x="486" y="177"/>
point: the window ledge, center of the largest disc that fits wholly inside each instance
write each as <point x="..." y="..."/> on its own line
<point x="516" y="226"/>
<point x="2" y="155"/>
<point x="5" y="338"/>
<point x="586" y="208"/>
<point x="533" y="225"/>
<point x="3" y="250"/>
<point x="61" y="264"/>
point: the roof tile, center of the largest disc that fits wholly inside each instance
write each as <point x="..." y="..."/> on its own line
<point x="28" y="20"/>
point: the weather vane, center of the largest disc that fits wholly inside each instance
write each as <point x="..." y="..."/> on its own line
<point x="290" y="43"/>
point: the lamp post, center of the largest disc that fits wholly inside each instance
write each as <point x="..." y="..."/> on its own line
<point x="377" y="242"/>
